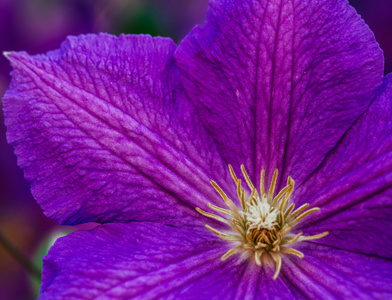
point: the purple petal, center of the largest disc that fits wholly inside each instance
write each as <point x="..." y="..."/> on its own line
<point x="104" y="132"/>
<point x="277" y="83"/>
<point x="148" y="261"/>
<point x="353" y="185"/>
<point x="330" y="273"/>
<point x="145" y="261"/>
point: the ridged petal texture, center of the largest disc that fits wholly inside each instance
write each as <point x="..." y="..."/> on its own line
<point x="353" y="185"/>
<point x="277" y="83"/>
<point x="105" y="133"/>
<point x="132" y="128"/>
<point x="154" y="261"/>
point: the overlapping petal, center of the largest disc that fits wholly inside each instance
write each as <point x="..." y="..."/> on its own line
<point x="277" y="83"/>
<point x="104" y="132"/>
<point x="150" y="261"/>
<point x="331" y="273"/>
<point x="356" y="176"/>
<point x="138" y="261"/>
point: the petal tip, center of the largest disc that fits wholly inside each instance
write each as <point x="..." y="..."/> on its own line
<point x="6" y="54"/>
<point x="12" y="55"/>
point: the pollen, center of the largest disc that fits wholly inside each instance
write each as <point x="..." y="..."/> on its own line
<point x="264" y="226"/>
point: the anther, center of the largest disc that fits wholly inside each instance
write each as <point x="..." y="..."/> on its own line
<point x="265" y="223"/>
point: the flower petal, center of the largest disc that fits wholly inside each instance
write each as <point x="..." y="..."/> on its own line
<point x="278" y="82"/>
<point x="331" y="273"/>
<point x="105" y="133"/>
<point x="353" y="185"/>
<point x="148" y="261"/>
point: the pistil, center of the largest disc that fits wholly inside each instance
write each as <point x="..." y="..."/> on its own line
<point x="264" y="223"/>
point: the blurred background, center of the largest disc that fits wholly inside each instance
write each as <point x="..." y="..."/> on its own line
<point x="37" y="26"/>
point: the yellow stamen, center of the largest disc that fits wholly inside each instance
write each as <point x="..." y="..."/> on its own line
<point x="286" y="228"/>
<point x="303" y="215"/>
<point x="298" y="210"/>
<point x="262" y="192"/>
<point x="286" y="198"/>
<point x="292" y="251"/>
<point x="241" y="195"/>
<point x="252" y="198"/>
<point x="264" y="225"/>
<point x="212" y="216"/>
<point x="258" y="257"/>
<point x="291" y="240"/>
<point x="280" y="195"/>
<point x="250" y="184"/>
<point x="280" y="217"/>
<point x="289" y="210"/>
<point x="230" y="252"/>
<point x="228" y="201"/>
<point x="221" y="210"/>
<point x="232" y="173"/>
<point x="224" y="236"/>
<point x="272" y="186"/>
<point x="278" y="261"/>
<point x="314" y="237"/>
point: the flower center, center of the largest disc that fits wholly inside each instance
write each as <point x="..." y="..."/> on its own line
<point x="261" y="215"/>
<point x="264" y="226"/>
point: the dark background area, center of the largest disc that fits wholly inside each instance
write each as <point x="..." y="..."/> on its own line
<point x="37" y="26"/>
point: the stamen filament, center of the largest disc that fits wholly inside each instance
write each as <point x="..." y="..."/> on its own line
<point x="286" y="228"/>
<point x="250" y="184"/>
<point x="258" y="257"/>
<point x="280" y="195"/>
<point x="241" y="195"/>
<point x="239" y="228"/>
<point x="272" y="186"/>
<point x="227" y="200"/>
<point x="291" y="251"/>
<point x="212" y="216"/>
<point x="262" y="176"/>
<point x="232" y="173"/>
<point x="286" y="190"/>
<point x="278" y="261"/>
<point x="314" y="237"/>
<point x="289" y="240"/>
<point x="286" y="198"/>
<point x="289" y="210"/>
<point x="264" y="225"/>
<point x="303" y="215"/>
<point x="280" y="218"/>
<point x="252" y="198"/>
<point x="290" y="181"/>
<point x="221" y="210"/>
<point x="222" y="235"/>
<point x="230" y="252"/>
<point x="299" y="209"/>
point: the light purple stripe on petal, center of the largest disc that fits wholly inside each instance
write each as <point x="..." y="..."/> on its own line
<point x="105" y="133"/>
<point x="277" y="83"/>
<point x="356" y="198"/>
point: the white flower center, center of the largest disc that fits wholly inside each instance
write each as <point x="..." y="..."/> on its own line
<point x="263" y="227"/>
<point x="261" y="215"/>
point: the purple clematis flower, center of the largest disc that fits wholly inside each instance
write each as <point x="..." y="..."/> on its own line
<point x="128" y="131"/>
